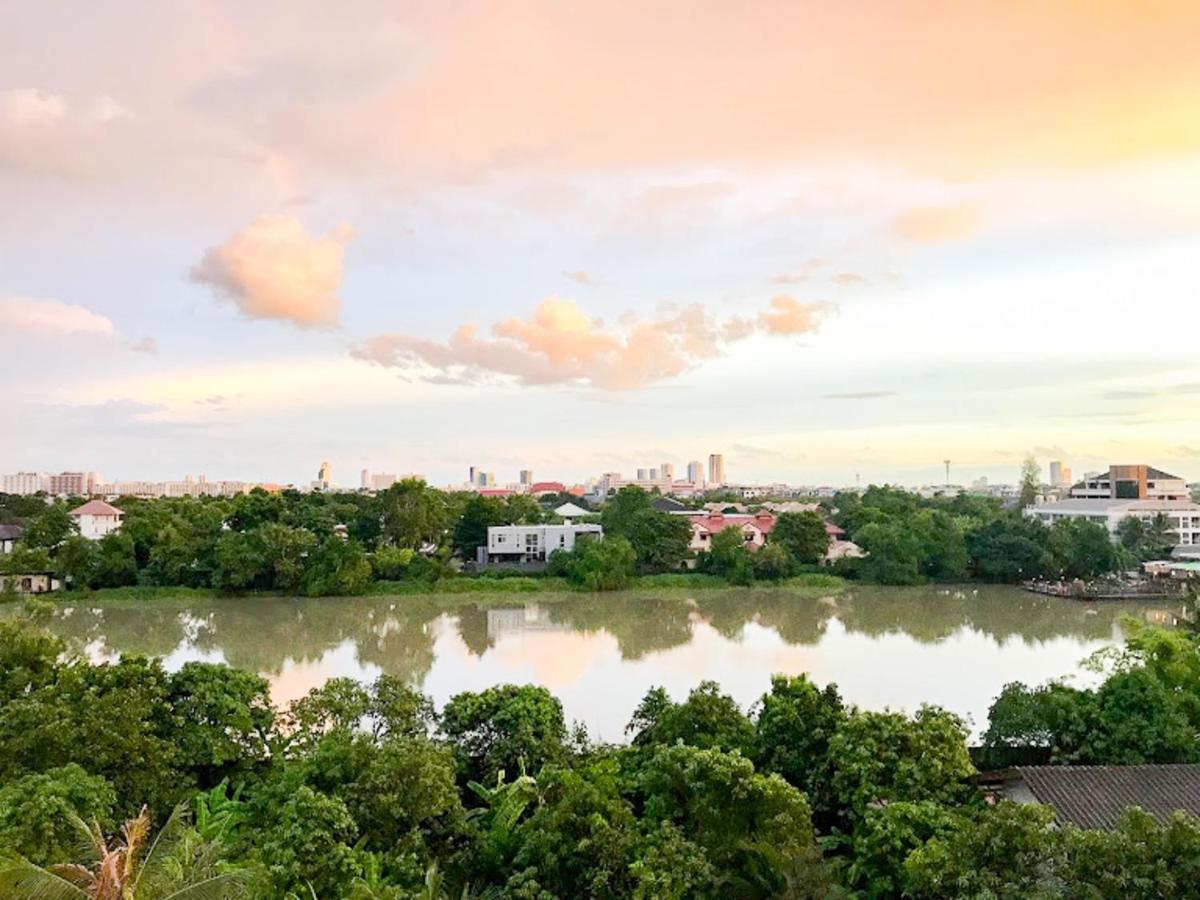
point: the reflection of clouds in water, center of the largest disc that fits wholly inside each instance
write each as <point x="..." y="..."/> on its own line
<point x="297" y="677"/>
<point x="187" y="652"/>
<point x="97" y="651"/>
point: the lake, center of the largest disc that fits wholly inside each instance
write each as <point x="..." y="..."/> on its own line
<point x="883" y="647"/>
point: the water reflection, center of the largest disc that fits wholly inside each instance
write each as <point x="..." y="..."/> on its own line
<point x="884" y="647"/>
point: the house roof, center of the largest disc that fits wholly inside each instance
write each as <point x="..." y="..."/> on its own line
<point x="547" y="487"/>
<point x="11" y="531"/>
<point x="715" y="522"/>
<point x="1107" y="504"/>
<point x="1095" y="796"/>
<point x="571" y="511"/>
<point x="667" y="504"/>
<point x="96" y="508"/>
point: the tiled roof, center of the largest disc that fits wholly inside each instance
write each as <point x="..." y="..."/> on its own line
<point x="96" y="508"/>
<point x="547" y="487"/>
<point x="1095" y="796"/>
<point x="10" y="531"/>
<point x="764" y="522"/>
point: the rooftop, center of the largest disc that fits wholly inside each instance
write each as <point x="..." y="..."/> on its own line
<point x="10" y="531"/>
<point x="1104" y="504"/>
<point x="96" y="508"/>
<point x="1095" y="796"/>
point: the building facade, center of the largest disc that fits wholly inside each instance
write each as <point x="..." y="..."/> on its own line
<point x="1131" y="482"/>
<point x="533" y="543"/>
<point x="97" y="518"/>
<point x="716" y="469"/>
<point x="1183" y="516"/>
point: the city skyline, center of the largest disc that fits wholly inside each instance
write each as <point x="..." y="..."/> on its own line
<point x="421" y="238"/>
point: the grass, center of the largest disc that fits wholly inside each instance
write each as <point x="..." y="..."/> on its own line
<point x="466" y="585"/>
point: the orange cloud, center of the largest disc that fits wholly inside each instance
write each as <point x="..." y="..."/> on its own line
<point x="788" y="316"/>
<point x="274" y="269"/>
<point x="937" y="224"/>
<point x="560" y="344"/>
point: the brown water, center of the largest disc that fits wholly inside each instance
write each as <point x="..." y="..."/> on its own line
<point x="884" y="647"/>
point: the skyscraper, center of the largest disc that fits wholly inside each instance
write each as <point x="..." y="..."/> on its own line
<point x="667" y="471"/>
<point x="1060" y="475"/>
<point x="365" y="479"/>
<point x="695" y="472"/>
<point x="324" y="477"/>
<point x="643" y="474"/>
<point x="526" y="476"/>
<point x="472" y="476"/>
<point x="716" y="469"/>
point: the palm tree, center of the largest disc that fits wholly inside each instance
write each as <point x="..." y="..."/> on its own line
<point x="177" y="865"/>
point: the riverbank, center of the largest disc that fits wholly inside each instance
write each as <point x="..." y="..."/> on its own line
<point x="467" y="586"/>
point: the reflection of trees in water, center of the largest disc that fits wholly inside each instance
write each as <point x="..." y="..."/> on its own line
<point x="798" y="616"/>
<point x="473" y="629"/>
<point x="261" y="633"/>
<point x="934" y="612"/>
<point x="641" y="623"/>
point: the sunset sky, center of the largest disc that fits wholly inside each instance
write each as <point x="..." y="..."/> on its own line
<point x="823" y="239"/>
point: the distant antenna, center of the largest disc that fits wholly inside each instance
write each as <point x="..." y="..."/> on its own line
<point x="947" y="462"/>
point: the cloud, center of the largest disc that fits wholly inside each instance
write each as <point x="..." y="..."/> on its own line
<point x="105" y="109"/>
<point x="582" y="277"/>
<point x="29" y="107"/>
<point x="788" y="316"/>
<point x="804" y="272"/>
<point x="274" y="269"/>
<point x="145" y="345"/>
<point x="849" y="279"/>
<point x="938" y="224"/>
<point x="561" y="344"/>
<point x="51" y="318"/>
<point x="859" y="395"/>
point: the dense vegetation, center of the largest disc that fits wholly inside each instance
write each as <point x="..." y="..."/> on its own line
<point x="369" y="792"/>
<point x="330" y="544"/>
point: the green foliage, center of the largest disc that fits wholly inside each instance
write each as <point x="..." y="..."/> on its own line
<point x="885" y="838"/>
<point x="1146" y="540"/>
<point x="1082" y="549"/>
<point x="659" y="540"/>
<point x="893" y="553"/>
<point x="728" y="557"/>
<point x="412" y="514"/>
<point x="707" y="719"/>
<point x="1010" y="548"/>
<point x="114" y="563"/>
<point x="49" y="528"/>
<point x="604" y="564"/>
<point x="36" y="812"/>
<point x="803" y="535"/>
<point x="337" y="567"/>
<point x="773" y="562"/>
<point x="305" y="846"/>
<point x="392" y="563"/>
<point x="504" y="728"/>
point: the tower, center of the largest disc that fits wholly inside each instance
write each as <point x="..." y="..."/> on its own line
<point x="716" y="469"/>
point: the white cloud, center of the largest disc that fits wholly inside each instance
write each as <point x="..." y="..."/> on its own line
<point x="29" y="107"/>
<point x="50" y="318"/>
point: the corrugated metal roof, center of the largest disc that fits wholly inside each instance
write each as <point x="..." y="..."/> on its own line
<point x="1095" y="796"/>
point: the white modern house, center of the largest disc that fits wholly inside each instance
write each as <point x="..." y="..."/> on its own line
<point x="1183" y="515"/>
<point x="97" y="518"/>
<point x="531" y="543"/>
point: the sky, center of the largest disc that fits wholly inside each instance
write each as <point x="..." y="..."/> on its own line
<point x="825" y="240"/>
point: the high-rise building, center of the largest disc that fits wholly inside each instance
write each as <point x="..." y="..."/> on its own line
<point x="654" y="474"/>
<point x="716" y="469"/>
<point x="667" y="471"/>
<point x="382" y="481"/>
<point x="26" y="483"/>
<point x="324" y="477"/>
<point x="643" y="474"/>
<point x="695" y="472"/>
<point x="472" y="476"/>
<point x="74" y="483"/>
<point x="487" y="479"/>
<point x="365" y="479"/>
<point x="526" y="476"/>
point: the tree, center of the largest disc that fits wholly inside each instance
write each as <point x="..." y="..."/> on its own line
<point x="391" y="563"/>
<point x="306" y="846"/>
<point x="1031" y="483"/>
<point x="337" y="568"/>
<point x="478" y="514"/>
<point x="49" y="528"/>
<point x="75" y="562"/>
<point x="115" y="563"/>
<point x="706" y="719"/>
<point x="285" y="554"/>
<point x="803" y="535"/>
<point x="728" y="557"/>
<point x="502" y="728"/>
<point x="413" y="514"/>
<point x="1082" y="549"/>
<point x="773" y="562"/>
<point x="241" y="563"/>
<point x="659" y="540"/>
<point x="605" y="564"/>
<point x="883" y="757"/>
<point x="1009" y="548"/>
<point x="1147" y="540"/>
<point x="796" y="721"/>
<point x="893" y="553"/>
<point x="886" y="837"/>
<point x="37" y="812"/>
<point x="754" y="829"/>
<point x="178" y="864"/>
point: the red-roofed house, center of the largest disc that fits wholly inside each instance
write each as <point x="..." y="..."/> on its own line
<point x="97" y="518"/>
<point x="754" y="527"/>
<point x="495" y="492"/>
<point x="538" y="488"/>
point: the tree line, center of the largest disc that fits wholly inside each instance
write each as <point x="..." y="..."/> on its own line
<point x="368" y="791"/>
<point x="327" y="544"/>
